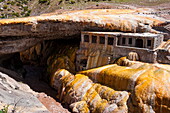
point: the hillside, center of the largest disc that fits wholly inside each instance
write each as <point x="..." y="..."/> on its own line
<point x="24" y="8"/>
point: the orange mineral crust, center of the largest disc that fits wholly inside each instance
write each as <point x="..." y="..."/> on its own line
<point x="149" y="84"/>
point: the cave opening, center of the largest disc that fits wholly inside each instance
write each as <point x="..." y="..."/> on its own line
<point x="36" y="64"/>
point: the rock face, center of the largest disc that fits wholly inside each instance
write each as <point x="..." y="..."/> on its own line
<point x="19" y="97"/>
<point x="148" y="84"/>
<point x="32" y="30"/>
<point x="51" y="104"/>
<point x="84" y="96"/>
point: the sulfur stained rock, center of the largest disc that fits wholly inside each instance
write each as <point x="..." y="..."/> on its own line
<point x="80" y="107"/>
<point x="148" y="84"/>
<point x="84" y="96"/>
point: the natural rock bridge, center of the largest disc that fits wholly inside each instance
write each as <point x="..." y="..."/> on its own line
<point x="19" y="34"/>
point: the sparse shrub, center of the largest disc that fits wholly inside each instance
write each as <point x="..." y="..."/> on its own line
<point x="15" y="14"/>
<point x="8" y="2"/>
<point x="72" y="1"/>
<point x="29" y="11"/>
<point x="25" y="8"/>
<point x="1" y="1"/>
<point x="22" y="13"/>
<point x="18" y="4"/>
<point x="5" y="6"/>
<point x="5" y="109"/>
<point x="27" y="14"/>
<point x="24" y="1"/>
<point x="42" y="1"/>
<point x="13" y="3"/>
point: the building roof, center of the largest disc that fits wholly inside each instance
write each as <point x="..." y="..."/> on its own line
<point x="101" y="33"/>
<point x="141" y="34"/>
<point x="123" y="34"/>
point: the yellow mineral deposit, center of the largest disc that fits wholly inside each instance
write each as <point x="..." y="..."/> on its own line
<point x="84" y="96"/>
<point x="148" y="84"/>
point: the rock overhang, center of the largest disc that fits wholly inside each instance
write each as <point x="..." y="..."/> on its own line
<point x="70" y="23"/>
<point x="126" y="20"/>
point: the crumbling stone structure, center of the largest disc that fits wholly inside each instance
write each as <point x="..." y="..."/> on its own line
<point x="101" y="48"/>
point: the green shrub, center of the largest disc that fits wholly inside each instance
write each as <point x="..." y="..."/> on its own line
<point x="22" y="13"/>
<point x="15" y="14"/>
<point x="43" y="1"/>
<point x="29" y="11"/>
<point x="27" y="14"/>
<point x="24" y="1"/>
<point x="25" y="8"/>
<point x="18" y="4"/>
<point x="1" y="1"/>
<point x="72" y="1"/>
<point x="8" y="2"/>
<point x="9" y="9"/>
<point x="5" y="6"/>
<point x="5" y="109"/>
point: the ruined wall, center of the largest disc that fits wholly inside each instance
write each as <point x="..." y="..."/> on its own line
<point x="145" y="55"/>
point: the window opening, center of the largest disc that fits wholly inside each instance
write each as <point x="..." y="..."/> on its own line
<point x="123" y="40"/>
<point x="83" y="62"/>
<point x="130" y="40"/>
<point x="139" y="43"/>
<point x="110" y="40"/>
<point x="94" y="39"/>
<point x="102" y="40"/>
<point x="148" y="42"/>
<point x="86" y="38"/>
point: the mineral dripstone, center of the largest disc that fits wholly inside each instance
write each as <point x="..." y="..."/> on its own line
<point x="84" y="96"/>
<point x="148" y="84"/>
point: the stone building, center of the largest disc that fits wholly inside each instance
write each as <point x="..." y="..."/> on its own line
<point x="101" y="48"/>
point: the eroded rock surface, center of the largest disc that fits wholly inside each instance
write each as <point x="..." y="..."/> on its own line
<point x="21" y="33"/>
<point x="148" y="84"/>
<point x="84" y="96"/>
<point x="51" y="104"/>
<point x="19" y="97"/>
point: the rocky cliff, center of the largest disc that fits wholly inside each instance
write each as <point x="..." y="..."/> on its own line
<point x="21" y="33"/>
